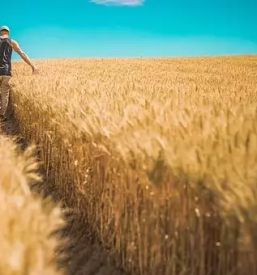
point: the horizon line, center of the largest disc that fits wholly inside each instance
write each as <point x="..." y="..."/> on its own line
<point x="140" y="57"/>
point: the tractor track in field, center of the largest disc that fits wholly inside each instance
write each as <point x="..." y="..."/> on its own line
<point x="84" y="255"/>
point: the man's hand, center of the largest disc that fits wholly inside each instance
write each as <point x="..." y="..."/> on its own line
<point x="35" y="70"/>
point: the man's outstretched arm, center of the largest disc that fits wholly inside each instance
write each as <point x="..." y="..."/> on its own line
<point x="19" y="51"/>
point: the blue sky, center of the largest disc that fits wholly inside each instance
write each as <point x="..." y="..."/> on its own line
<point x="127" y="28"/>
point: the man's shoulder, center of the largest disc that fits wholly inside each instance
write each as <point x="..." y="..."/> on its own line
<point x="13" y="42"/>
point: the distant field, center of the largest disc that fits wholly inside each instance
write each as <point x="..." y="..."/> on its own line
<point x="158" y="155"/>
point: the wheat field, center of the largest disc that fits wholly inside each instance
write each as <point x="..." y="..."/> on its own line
<point x="158" y="156"/>
<point x="27" y="222"/>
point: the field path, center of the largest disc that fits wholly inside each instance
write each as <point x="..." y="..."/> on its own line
<point x="84" y="255"/>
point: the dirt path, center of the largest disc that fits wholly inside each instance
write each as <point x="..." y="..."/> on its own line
<point x="84" y="256"/>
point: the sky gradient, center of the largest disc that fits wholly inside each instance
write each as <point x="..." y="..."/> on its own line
<point x="131" y="28"/>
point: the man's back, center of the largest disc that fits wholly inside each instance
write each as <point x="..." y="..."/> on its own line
<point x="7" y="45"/>
<point x="5" y="55"/>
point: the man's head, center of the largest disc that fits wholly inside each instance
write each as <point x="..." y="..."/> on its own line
<point x="4" y="30"/>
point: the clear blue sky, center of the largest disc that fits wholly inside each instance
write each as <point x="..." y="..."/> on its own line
<point x="101" y="28"/>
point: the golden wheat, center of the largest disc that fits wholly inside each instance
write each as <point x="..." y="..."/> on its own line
<point x="27" y="222"/>
<point x="158" y="155"/>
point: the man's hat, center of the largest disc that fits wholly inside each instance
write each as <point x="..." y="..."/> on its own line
<point x="4" y="28"/>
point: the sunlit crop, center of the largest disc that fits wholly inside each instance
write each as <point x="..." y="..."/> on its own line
<point x="157" y="155"/>
<point x="27" y="221"/>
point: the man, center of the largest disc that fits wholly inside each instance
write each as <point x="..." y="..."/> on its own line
<point x="7" y="45"/>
